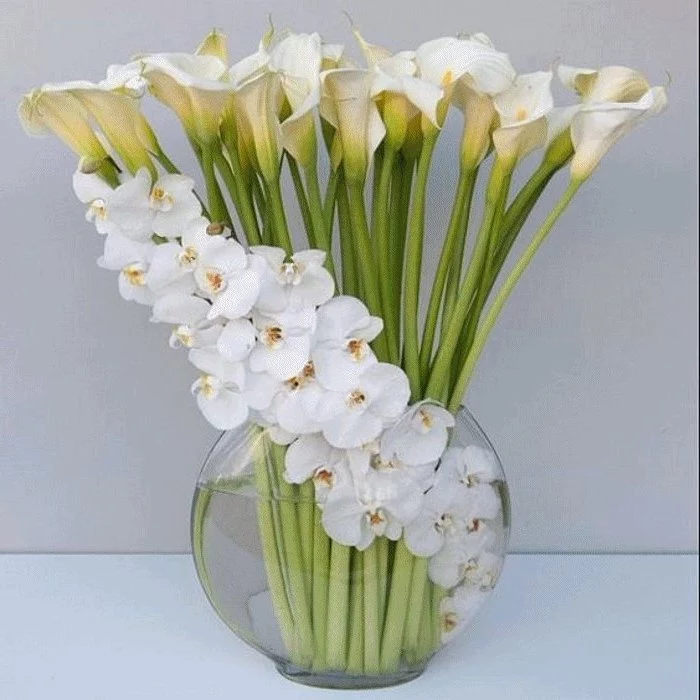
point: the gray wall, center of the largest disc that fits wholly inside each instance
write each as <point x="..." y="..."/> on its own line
<point x="588" y="386"/>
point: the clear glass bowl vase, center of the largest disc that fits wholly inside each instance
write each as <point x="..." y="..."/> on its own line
<point x="329" y="615"/>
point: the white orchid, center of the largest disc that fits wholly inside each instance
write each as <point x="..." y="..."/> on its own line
<point x="175" y="205"/>
<point x="296" y="403"/>
<point x="293" y="284"/>
<point x="522" y="112"/>
<point x="596" y="127"/>
<point x="358" y="510"/>
<point x="483" y="571"/>
<point x="124" y="210"/>
<point x="284" y="342"/>
<point x="188" y="313"/>
<point x="449" y="565"/>
<point x="220" y="402"/>
<point x="341" y="351"/>
<point x="223" y="273"/>
<point x="420" y="436"/>
<point x="458" y="609"/>
<point x="357" y="416"/>
<point x="312" y="457"/>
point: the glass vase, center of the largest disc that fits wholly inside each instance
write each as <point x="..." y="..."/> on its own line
<point x="329" y="615"/>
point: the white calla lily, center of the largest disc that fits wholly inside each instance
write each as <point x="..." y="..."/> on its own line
<point x="347" y="103"/>
<point x="522" y="112"/>
<point x="596" y="127"/>
<point x="607" y="84"/>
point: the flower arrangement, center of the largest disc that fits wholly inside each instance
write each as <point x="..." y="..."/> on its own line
<point x="321" y="350"/>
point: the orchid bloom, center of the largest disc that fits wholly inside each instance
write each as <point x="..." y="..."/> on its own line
<point x="220" y="402"/>
<point x="420" y="436"/>
<point x="347" y="104"/>
<point x="296" y="404"/>
<point x="284" y="342"/>
<point x="295" y="283"/>
<point x="341" y="350"/>
<point x="188" y="313"/>
<point x="357" y="416"/>
<point x="458" y="609"/>
<point x="131" y="259"/>
<point x="312" y="457"/>
<point x="358" y="510"/>
<point x="522" y="112"/>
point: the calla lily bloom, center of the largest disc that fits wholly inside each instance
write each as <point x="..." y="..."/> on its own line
<point x="598" y="126"/>
<point x="607" y="84"/>
<point x="522" y="112"/>
<point x="194" y="86"/>
<point x="347" y="103"/>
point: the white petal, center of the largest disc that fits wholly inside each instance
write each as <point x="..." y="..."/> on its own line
<point x="225" y="411"/>
<point x="209" y="361"/>
<point x="422" y="537"/>
<point x="180" y="309"/>
<point x="239" y="296"/>
<point x="236" y="340"/>
<point x="342" y="517"/>
<point x="304" y="456"/>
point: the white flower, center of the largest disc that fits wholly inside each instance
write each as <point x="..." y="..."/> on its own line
<point x="220" y="402"/>
<point x="189" y="314"/>
<point x="175" y="205"/>
<point x="475" y="465"/>
<point x="294" y="284"/>
<point x="125" y="210"/>
<point x="523" y="111"/>
<point x="296" y="404"/>
<point x="598" y="126"/>
<point x="341" y="351"/>
<point x="458" y="609"/>
<point x="357" y="416"/>
<point x="448" y="59"/>
<point x="236" y="340"/>
<point x="607" y="84"/>
<point x="224" y="274"/>
<point x="378" y="504"/>
<point x="483" y="571"/>
<point x="284" y="342"/>
<point x="449" y="565"/>
<point x="420" y="436"/>
<point x="311" y="457"/>
<point x="347" y="103"/>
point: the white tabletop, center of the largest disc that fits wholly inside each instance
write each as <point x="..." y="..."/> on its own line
<point x="559" y="627"/>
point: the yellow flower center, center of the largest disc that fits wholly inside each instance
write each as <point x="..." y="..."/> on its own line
<point x="215" y="229"/>
<point x="188" y="256"/>
<point x="426" y="419"/>
<point x="98" y="209"/>
<point x="134" y="275"/>
<point x="273" y="336"/>
<point x="324" y="477"/>
<point x="447" y="78"/>
<point x="521" y="114"/>
<point x="214" y="280"/>
<point x="375" y="518"/>
<point x="207" y="387"/>
<point x="356" y="399"/>
<point x="161" y="199"/>
<point x="303" y="378"/>
<point x="449" y="621"/>
<point x="357" y="347"/>
<point x="184" y="336"/>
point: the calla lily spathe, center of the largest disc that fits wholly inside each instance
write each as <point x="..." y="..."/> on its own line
<point x="596" y="127"/>
<point x="522" y="112"/>
<point x="607" y="84"/>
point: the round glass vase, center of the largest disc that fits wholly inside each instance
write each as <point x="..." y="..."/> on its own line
<point x="329" y="615"/>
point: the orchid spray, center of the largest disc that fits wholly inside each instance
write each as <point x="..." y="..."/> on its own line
<point x="379" y="544"/>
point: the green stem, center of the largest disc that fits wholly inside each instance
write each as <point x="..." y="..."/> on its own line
<point x="396" y="608"/>
<point x="383" y="251"/>
<point x="296" y="571"/>
<point x="383" y="565"/>
<point x="355" y="663"/>
<point x="440" y="373"/>
<point x="414" y="257"/>
<point x="456" y="226"/>
<point x="240" y="194"/>
<point x="302" y="200"/>
<point x="371" y="604"/>
<point x="347" y="247"/>
<point x="278" y="217"/>
<point x="368" y="265"/>
<point x="306" y="508"/>
<point x="274" y="565"/>
<point x="318" y="217"/>
<point x="419" y="580"/>
<point x="217" y="205"/>
<point x="505" y="291"/>
<point x="338" y="606"/>
<point x="426" y="636"/>
<point x="322" y="551"/>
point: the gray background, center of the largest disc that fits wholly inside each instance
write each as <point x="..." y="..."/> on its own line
<point x="588" y="386"/>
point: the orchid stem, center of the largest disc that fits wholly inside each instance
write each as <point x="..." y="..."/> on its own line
<point x="338" y="606"/>
<point x="322" y="549"/>
<point x="355" y="663"/>
<point x="371" y="612"/>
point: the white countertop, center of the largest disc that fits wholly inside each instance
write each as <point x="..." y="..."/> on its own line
<point x="137" y="627"/>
